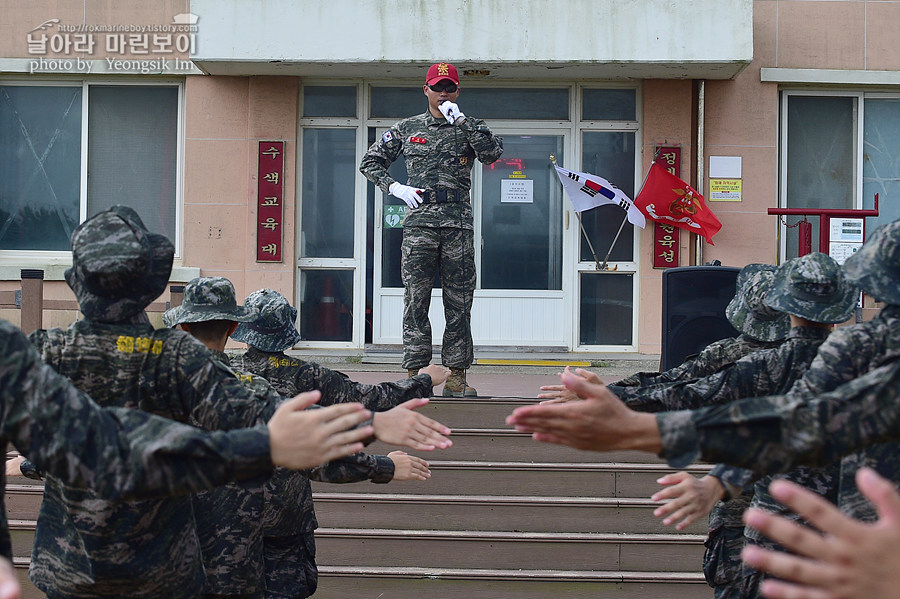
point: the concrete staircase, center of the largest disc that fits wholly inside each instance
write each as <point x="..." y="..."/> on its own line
<point x="502" y="516"/>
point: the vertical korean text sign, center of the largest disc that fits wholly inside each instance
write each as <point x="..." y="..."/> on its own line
<point x="270" y="201"/>
<point x="666" y="242"/>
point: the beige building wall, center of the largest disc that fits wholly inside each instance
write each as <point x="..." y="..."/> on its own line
<point x="226" y="118"/>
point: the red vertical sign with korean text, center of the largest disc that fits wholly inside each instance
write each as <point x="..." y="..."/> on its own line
<point x="666" y="240"/>
<point x="270" y="201"/>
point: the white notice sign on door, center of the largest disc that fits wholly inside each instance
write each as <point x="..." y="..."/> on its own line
<point x="517" y="191"/>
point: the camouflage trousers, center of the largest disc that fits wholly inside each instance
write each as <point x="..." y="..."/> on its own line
<point x="427" y="251"/>
<point x="291" y="571"/>
<point x="722" y="566"/>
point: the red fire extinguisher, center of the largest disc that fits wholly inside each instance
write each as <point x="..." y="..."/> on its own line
<point x="328" y="311"/>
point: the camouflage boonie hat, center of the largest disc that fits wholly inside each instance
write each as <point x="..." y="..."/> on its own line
<point x="208" y="298"/>
<point x="813" y="287"/>
<point x="273" y="329"/>
<point x="748" y="313"/>
<point x="875" y="268"/>
<point x="118" y="266"/>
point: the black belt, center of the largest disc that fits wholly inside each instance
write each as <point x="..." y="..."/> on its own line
<point x="443" y="196"/>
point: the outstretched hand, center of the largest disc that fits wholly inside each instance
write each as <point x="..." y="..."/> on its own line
<point x="689" y="498"/>
<point x="409" y="467"/>
<point x="559" y="393"/>
<point x="301" y="438"/>
<point x="402" y="426"/>
<point x="600" y="423"/>
<point x="439" y="374"/>
<point x="847" y="560"/>
<point x="9" y="584"/>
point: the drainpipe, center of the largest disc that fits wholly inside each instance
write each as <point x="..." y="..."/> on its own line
<point x="701" y="107"/>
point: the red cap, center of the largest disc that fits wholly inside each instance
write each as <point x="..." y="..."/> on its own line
<point x="440" y="71"/>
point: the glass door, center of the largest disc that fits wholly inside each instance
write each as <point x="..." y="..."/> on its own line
<point x="521" y="216"/>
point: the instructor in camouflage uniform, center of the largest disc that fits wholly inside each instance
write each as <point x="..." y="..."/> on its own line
<point x="440" y="147"/>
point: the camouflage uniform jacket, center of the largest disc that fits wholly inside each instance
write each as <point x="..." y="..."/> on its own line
<point x="231" y="519"/>
<point x="778" y="433"/>
<point x="762" y="372"/>
<point x="118" y="453"/>
<point x="849" y="353"/>
<point x="289" y="506"/>
<point x="291" y="376"/>
<point x="156" y="553"/>
<point x="438" y="155"/>
<point x="759" y="373"/>
<point x="713" y="358"/>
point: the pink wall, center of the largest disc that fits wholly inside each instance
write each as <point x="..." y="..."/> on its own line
<point x="226" y="117"/>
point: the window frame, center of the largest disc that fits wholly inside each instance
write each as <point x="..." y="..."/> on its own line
<point x="53" y="260"/>
<point x="858" y="116"/>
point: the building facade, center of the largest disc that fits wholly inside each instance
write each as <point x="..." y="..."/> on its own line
<point x="236" y="128"/>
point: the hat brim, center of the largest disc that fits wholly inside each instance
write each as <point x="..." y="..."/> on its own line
<point x="284" y="339"/>
<point x="873" y="277"/>
<point x="434" y="80"/>
<point x="182" y="314"/>
<point x="115" y="309"/>
<point x="838" y="307"/>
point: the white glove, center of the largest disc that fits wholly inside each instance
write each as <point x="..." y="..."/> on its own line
<point x="450" y="111"/>
<point x="408" y="194"/>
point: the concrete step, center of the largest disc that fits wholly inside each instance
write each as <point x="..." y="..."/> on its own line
<point x="29" y="591"/>
<point x="494" y="513"/>
<point x="23" y="502"/>
<point x="416" y="583"/>
<point x="617" y="480"/>
<point x="339" y="582"/>
<point x="474" y="413"/>
<point x="508" y="550"/>
<point x="507" y="445"/>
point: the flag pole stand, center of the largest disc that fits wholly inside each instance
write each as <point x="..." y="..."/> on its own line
<point x="613" y="244"/>
<point x="597" y="265"/>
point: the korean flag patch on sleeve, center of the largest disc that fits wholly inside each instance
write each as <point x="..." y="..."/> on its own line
<point x="386" y="137"/>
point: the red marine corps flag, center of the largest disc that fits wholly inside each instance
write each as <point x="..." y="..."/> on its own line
<point x="667" y="199"/>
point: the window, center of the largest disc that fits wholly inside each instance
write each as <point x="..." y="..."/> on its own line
<point x="131" y="134"/>
<point x="844" y="164"/>
<point x="486" y="103"/>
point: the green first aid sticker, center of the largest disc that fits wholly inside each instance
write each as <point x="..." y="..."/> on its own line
<point x="393" y="216"/>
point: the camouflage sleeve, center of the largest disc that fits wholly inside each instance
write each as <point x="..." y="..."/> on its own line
<point x="213" y="395"/>
<point x="637" y="379"/>
<point x="750" y="376"/>
<point x="778" y="433"/>
<point x="380" y="156"/>
<point x="118" y="452"/>
<point x="488" y="147"/>
<point x="672" y="375"/>
<point x="354" y="468"/>
<point x="661" y="397"/>
<point x="735" y="480"/>
<point x="29" y="470"/>
<point x="840" y="358"/>
<point x="336" y="387"/>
